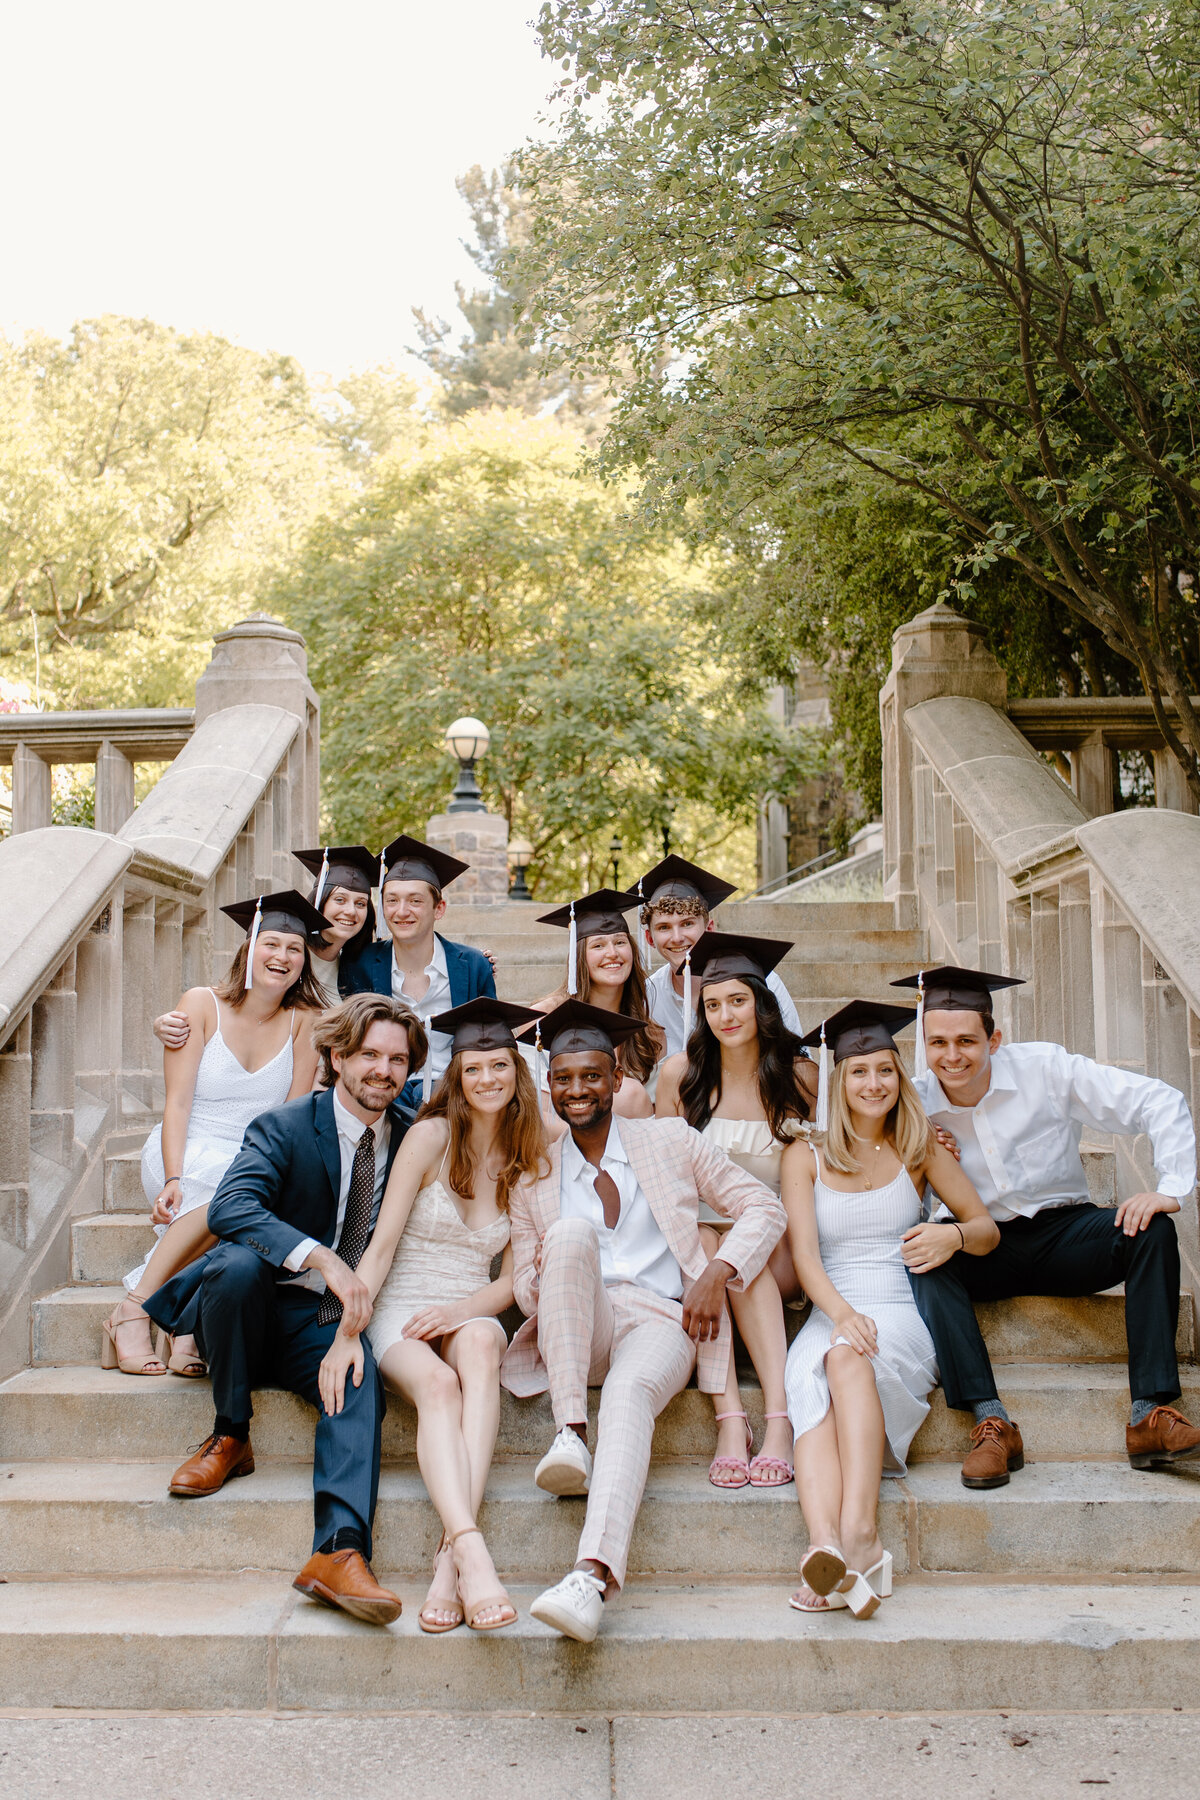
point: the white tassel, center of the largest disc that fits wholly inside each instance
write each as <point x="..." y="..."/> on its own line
<point x="687" y="998"/>
<point x="254" y="930"/>
<point x="537" y="1057"/>
<point x="920" y="1066"/>
<point x="381" y="925"/>
<point x="823" y="1085"/>
<point x="572" y="956"/>
<point x="426" y="1072"/>
<point x="321" y="880"/>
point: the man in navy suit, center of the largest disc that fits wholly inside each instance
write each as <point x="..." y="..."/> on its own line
<point x="294" y="1214"/>
<point x="418" y="965"/>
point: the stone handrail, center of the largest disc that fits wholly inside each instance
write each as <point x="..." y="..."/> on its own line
<point x="33" y="742"/>
<point x="104" y="929"/>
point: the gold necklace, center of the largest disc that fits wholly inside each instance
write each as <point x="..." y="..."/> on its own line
<point x="879" y="1146"/>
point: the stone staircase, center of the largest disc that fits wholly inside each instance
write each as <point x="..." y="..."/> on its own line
<point x="1076" y="1587"/>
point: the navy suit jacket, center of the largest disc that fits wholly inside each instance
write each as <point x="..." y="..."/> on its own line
<point x="282" y="1186"/>
<point x="469" y="970"/>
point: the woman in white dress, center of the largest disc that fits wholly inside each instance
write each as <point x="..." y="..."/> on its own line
<point x="745" y="1084"/>
<point x="860" y="1371"/>
<point x="248" y="1049"/>
<point x="435" y="1330"/>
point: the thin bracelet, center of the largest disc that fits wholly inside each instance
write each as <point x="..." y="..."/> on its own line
<point x="962" y="1240"/>
<point x="168" y="1179"/>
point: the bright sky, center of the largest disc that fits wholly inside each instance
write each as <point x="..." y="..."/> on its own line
<point x="280" y="171"/>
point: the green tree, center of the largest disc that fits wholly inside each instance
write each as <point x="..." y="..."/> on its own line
<point x="146" y="480"/>
<point x="480" y="573"/>
<point x="953" y="249"/>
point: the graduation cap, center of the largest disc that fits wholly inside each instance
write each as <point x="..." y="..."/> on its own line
<point x="350" y="866"/>
<point x="601" y="914"/>
<point x="574" y="1026"/>
<point x="674" y="878"/>
<point x="727" y="956"/>
<point x="285" y="911"/>
<point x="408" y="859"/>
<point x="856" y="1030"/>
<point x="484" y="1024"/>
<point x="948" y="989"/>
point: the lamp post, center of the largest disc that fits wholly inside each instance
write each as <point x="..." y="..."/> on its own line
<point x="614" y="850"/>
<point x="520" y="855"/>
<point x="467" y="739"/>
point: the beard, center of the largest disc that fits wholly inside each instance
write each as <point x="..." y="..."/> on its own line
<point x="375" y="1094"/>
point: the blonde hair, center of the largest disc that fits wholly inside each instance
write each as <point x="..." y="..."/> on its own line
<point x="906" y="1128"/>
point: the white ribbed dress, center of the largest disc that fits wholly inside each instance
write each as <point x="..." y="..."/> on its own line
<point x="859" y="1238"/>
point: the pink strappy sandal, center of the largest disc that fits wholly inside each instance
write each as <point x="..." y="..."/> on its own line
<point x="736" y="1465"/>
<point x="770" y="1471"/>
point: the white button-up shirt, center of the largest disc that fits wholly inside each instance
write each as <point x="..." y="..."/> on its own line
<point x="435" y="999"/>
<point x="349" y="1130"/>
<point x="635" y="1249"/>
<point x="666" y="1006"/>
<point x="1020" y="1144"/>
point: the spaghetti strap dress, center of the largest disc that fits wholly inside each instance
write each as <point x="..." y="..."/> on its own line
<point x="859" y="1236"/>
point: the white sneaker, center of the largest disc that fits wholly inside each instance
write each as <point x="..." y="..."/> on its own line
<point x="575" y="1607"/>
<point x="566" y="1467"/>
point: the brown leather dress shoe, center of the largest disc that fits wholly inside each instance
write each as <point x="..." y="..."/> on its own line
<point x="344" y="1578"/>
<point x="217" y="1461"/>
<point x="1163" y="1437"/>
<point x="996" y="1448"/>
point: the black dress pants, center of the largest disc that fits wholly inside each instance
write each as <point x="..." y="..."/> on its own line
<point x="255" y="1331"/>
<point x="1067" y="1250"/>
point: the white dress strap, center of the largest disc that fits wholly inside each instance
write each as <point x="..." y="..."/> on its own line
<point x="816" y="1159"/>
<point x="217" y="1004"/>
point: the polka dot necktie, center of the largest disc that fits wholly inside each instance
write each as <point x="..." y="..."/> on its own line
<point x="356" y="1226"/>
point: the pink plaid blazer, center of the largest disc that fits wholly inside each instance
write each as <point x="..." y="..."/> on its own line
<point x="677" y="1168"/>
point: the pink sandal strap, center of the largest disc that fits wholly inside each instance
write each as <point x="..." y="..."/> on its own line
<point x="735" y="1464"/>
<point x="782" y="1415"/>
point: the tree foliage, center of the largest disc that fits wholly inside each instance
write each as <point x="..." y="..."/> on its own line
<point x="935" y="267"/>
<point x="480" y="573"/>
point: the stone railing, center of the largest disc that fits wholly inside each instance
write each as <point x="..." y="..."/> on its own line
<point x="1088" y="734"/>
<point x="104" y="929"/>
<point x="113" y="741"/>
<point x="994" y="855"/>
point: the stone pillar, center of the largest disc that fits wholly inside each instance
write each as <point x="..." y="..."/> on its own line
<point x="52" y="1098"/>
<point x="32" y="805"/>
<point x="262" y="661"/>
<point x="1170" y="788"/>
<point x="936" y="654"/>
<point x="481" y="840"/>
<point x="1094" y="776"/>
<point x="114" y="788"/>
<point x="16" y="1091"/>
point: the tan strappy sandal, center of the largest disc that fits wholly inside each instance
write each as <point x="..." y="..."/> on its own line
<point x="473" y="1608"/>
<point x="434" y="1626"/>
<point x="177" y="1361"/>
<point x="110" y="1355"/>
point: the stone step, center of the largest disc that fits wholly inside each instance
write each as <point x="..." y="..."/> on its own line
<point x="123" y="1190"/>
<point x="1077" y="1519"/>
<point x="818" y="945"/>
<point x="66" y="1321"/>
<point x="1067" y="1412"/>
<point x="104" y="1246"/>
<point x="250" y="1643"/>
<point x="760" y="918"/>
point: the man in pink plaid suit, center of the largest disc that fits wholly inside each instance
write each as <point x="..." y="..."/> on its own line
<point x="608" y="1263"/>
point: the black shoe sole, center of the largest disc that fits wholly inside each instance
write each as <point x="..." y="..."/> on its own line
<point x="995" y="1481"/>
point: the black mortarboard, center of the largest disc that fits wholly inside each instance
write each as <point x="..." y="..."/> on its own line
<point x="350" y="866"/>
<point x="674" y="878"/>
<point x="727" y="955"/>
<point x="484" y="1024"/>
<point x="601" y="914"/>
<point x="285" y="911"/>
<point x="574" y="1026"/>
<point x="957" y="990"/>
<point x="408" y="859"/>
<point x="861" y="1027"/>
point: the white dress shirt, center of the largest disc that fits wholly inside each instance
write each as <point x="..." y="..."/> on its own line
<point x="635" y="1249"/>
<point x="349" y="1130"/>
<point x="666" y="1006"/>
<point x="435" y="999"/>
<point x="1020" y="1144"/>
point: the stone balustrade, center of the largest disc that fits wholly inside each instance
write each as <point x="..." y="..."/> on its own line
<point x="113" y="741"/>
<point x="104" y="928"/>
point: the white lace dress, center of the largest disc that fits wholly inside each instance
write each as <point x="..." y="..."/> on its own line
<point x="859" y="1238"/>
<point x="225" y="1099"/>
<point x="438" y="1259"/>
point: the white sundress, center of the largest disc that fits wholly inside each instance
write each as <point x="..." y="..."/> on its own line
<point x="859" y="1236"/>
<point x="226" y="1098"/>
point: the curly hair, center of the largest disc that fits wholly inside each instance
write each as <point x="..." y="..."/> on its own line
<point x="522" y="1135"/>
<point x="345" y="1026"/>
<point x="674" y="906"/>
<point x="778" y="1087"/>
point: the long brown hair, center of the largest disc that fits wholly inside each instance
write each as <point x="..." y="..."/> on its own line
<point x="640" y="1054"/>
<point x="906" y="1128"/>
<point x="304" y="991"/>
<point x="522" y="1134"/>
